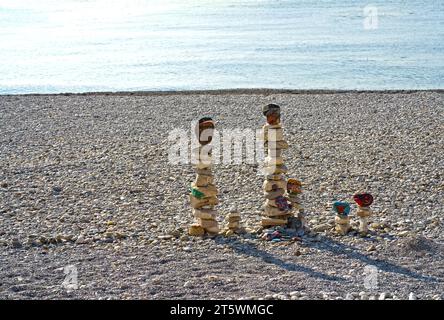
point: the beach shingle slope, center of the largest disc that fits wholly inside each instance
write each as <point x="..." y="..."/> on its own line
<point x="85" y="182"/>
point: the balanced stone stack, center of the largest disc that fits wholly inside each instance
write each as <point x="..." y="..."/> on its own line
<point x="277" y="210"/>
<point x="342" y="220"/>
<point x="203" y="192"/>
<point x="363" y="200"/>
<point x="234" y="221"/>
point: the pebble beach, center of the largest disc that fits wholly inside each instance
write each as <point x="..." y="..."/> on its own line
<point x="85" y="183"/>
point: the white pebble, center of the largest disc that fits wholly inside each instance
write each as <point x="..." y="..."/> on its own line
<point x="363" y="295"/>
<point x="349" y="296"/>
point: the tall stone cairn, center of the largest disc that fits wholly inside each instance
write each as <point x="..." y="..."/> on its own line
<point x="203" y="191"/>
<point x="277" y="210"/>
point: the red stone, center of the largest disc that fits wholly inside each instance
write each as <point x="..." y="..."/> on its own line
<point x="363" y="199"/>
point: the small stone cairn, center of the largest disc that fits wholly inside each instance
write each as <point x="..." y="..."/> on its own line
<point x="233" y="220"/>
<point x="363" y="200"/>
<point x="342" y="220"/>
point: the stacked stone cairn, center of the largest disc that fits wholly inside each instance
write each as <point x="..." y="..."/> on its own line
<point x="277" y="209"/>
<point x="233" y="223"/>
<point x="203" y="192"/>
<point x="363" y="200"/>
<point x="342" y="220"/>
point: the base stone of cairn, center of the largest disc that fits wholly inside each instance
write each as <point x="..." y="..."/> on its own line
<point x="196" y="230"/>
<point x="342" y="220"/>
<point x="342" y="224"/>
<point x="203" y="192"/>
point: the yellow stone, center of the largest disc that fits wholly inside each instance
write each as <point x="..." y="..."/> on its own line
<point x="342" y="225"/>
<point x="364" y="212"/>
<point x="199" y="203"/>
<point x="204" y="172"/>
<point x="375" y="225"/>
<point x="209" y="190"/>
<point x="203" y="180"/>
<point x="233" y="219"/>
<point x="233" y="215"/>
<point x="273" y="211"/>
<point x="233" y="225"/>
<point x="274" y="194"/>
<point x="196" y="230"/>
<point x="209" y="225"/>
<point x="213" y="230"/>
<point x="275" y="177"/>
<point x="229" y="233"/>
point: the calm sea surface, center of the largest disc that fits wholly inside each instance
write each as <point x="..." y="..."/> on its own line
<point x="50" y="46"/>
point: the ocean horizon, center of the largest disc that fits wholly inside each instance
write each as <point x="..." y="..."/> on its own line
<point x="144" y="45"/>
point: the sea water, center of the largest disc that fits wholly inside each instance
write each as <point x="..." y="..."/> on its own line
<point x="51" y="46"/>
